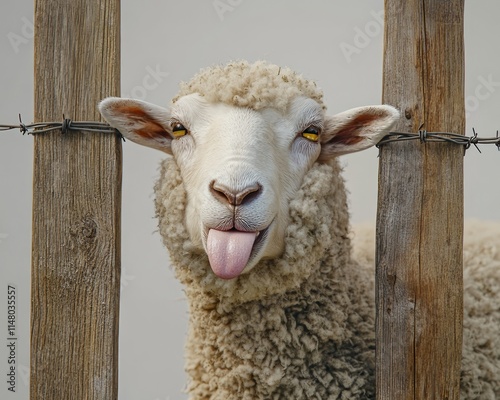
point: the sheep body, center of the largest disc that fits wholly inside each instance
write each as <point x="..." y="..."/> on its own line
<point x="310" y="313"/>
<point x="300" y="326"/>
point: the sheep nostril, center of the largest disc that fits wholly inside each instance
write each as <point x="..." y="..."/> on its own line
<point x="248" y="194"/>
<point x="235" y="197"/>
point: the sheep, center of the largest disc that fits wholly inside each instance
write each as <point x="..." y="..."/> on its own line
<point x="253" y="211"/>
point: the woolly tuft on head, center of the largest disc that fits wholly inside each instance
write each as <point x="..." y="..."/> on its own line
<point x="256" y="86"/>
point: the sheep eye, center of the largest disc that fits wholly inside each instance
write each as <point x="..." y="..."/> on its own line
<point x="178" y="130"/>
<point x="311" y="133"/>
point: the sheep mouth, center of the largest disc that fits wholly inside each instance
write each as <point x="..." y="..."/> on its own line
<point x="258" y="244"/>
<point x="231" y="251"/>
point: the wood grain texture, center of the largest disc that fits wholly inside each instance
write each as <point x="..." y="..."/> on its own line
<point x="420" y="211"/>
<point x="76" y="204"/>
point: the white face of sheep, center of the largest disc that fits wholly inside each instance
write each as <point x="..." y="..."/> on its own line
<point x="241" y="167"/>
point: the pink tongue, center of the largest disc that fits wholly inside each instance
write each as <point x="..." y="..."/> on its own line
<point x="229" y="251"/>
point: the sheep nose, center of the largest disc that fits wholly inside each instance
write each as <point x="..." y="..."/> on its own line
<point x="234" y="197"/>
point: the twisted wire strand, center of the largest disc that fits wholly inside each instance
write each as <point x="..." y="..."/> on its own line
<point x="65" y="126"/>
<point x="426" y="137"/>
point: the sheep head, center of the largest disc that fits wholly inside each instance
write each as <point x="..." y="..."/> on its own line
<point x="241" y="164"/>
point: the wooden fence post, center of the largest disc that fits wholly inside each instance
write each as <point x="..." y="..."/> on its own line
<point x="420" y="215"/>
<point x="76" y="204"/>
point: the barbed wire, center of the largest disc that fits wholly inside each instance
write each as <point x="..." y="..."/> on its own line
<point x="65" y="126"/>
<point x="422" y="135"/>
<point x="426" y="137"/>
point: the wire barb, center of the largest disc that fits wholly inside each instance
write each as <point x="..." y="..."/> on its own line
<point x="22" y="127"/>
<point x="66" y="125"/>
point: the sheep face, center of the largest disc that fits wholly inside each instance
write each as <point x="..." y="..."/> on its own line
<point x="241" y="167"/>
<point x="253" y="163"/>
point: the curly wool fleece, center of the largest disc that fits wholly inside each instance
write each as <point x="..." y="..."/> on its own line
<point x="254" y="86"/>
<point x="302" y="326"/>
<point x="297" y="327"/>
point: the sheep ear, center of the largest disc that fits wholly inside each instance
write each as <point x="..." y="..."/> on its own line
<point x="141" y="122"/>
<point x="355" y="130"/>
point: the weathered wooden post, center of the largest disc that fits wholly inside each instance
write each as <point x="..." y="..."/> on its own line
<point x="420" y="215"/>
<point x="76" y="204"/>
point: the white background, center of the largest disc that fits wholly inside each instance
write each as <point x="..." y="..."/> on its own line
<point x="179" y="38"/>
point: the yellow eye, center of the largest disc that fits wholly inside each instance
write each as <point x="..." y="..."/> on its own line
<point x="178" y="130"/>
<point x="311" y="133"/>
